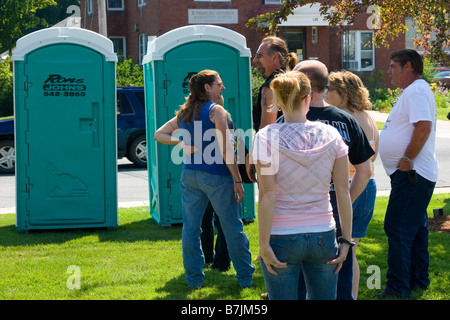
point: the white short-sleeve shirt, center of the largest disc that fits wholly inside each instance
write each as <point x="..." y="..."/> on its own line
<point x="416" y="103"/>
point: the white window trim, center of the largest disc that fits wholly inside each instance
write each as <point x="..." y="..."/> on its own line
<point x="141" y="3"/>
<point x="90" y="6"/>
<point x="115" y="9"/>
<point x="314" y="35"/>
<point x="124" y="43"/>
<point x="358" y="52"/>
<point x="143" y="40"/>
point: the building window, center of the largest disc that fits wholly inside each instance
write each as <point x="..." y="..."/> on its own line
<point x="295" y="39"/>
<point x="212" y="0"/>
<point x="272" y="1"/>
<point x="90" y="6"/>
<point x="119" y="45"/>
<point x="314" y="35"/>
<point x="115" y="5"/>
<point x="141" y="3"/>
<point x="143" y="39"/>
<point x="358" y="52"/>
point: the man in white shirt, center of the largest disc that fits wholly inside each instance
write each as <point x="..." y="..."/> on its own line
<point x="407" y="150"/>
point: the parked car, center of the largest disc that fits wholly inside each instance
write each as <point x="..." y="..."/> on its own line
<point x="442" y="79"/>
<point x="7" y="151"/>
<point x="131" y="139"/>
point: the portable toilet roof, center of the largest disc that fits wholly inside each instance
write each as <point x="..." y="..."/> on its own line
<point x="157" y="47"/>
<point x="50" y="36"/>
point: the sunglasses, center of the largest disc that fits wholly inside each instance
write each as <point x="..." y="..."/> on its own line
<point x="258" y="55"/>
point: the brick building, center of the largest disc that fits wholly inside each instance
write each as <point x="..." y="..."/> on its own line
<point x="130" y="23"/>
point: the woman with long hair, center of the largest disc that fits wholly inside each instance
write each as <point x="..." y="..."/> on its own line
<point x="209" y="174"/>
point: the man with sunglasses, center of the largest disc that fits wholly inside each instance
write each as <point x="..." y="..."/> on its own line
<point x="271" y="58"/>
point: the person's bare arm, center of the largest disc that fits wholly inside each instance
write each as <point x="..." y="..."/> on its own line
<point x="422" y="130"/>
<point x="363" y="172"/>
<point x="267" y="115"/>
<point x="219" y="116"/>
<point x="165" y="135"/>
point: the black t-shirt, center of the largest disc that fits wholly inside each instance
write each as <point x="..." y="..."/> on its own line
<point x="256" y="111"/>
<point x="359" y="149"/>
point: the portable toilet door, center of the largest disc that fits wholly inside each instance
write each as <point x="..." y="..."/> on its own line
<point x="65" y="116"/>
<point x="171" y="61"/>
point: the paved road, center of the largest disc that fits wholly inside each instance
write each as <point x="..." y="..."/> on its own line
<point x="442" y="151"/>
<point x="133" y="182"/>
<point x="132" y="185"/>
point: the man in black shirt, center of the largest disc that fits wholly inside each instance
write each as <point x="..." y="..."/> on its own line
<point x="359" y="154"/>
<point x="272" y="57"/>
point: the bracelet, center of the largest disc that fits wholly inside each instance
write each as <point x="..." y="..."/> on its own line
<point x="405" y="158"/>
<point x="238" y="182"/>
<point x="343" y="240"/>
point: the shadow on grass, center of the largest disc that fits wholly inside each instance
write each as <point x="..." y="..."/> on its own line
<point x="141" y="230"/>
<point x="217" y="286"/>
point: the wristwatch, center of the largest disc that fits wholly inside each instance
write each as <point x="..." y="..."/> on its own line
<point x="405" y="158"/>
<point x="343" y="240"/>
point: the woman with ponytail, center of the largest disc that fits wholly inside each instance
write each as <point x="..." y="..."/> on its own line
<point x="295" y="162"/>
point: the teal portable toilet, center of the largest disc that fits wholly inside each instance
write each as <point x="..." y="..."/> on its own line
<point x="170" y="62"/>
<point x="65" y="130"/>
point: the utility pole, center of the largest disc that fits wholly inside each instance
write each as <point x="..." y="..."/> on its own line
<point x="102" y="27"/>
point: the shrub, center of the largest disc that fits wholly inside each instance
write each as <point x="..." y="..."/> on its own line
<point x="256" y="81"/>
<point x="6" y="88"/>
<point x="129" y="74"/>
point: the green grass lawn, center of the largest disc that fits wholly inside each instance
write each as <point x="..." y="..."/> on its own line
<point x="141" y="260"/>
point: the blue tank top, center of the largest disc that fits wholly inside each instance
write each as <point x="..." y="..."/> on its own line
<point x="201" y="134"/>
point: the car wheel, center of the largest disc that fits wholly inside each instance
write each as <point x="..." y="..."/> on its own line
<point x="7" y="156"/>
<point x="137" y="152"/>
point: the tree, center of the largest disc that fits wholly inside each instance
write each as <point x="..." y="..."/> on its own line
<point x="6" y="88"/>
<point x="129" y="74"/>
<point x="387" y="20"/>
<point x="18" y="16"/>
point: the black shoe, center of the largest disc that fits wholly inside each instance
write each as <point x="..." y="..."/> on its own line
<point x="265" y="296"/>
<point x="388" y="295"/>
<point x="221" y="269"/>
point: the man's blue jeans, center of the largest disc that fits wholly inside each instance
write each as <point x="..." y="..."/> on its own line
<point x="306" y="255"/>
<point x="197" y="188"/>
<point x="406" y="226"/>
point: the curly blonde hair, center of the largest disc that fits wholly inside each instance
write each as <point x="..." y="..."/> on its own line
<point x="347" y="84"/>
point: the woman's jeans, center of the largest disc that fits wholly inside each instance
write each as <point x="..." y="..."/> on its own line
<point x="305" y="253"/>
<point x="197" y="188"/>
<point x="363" y="208"/>
<point x="406" y="227"/>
